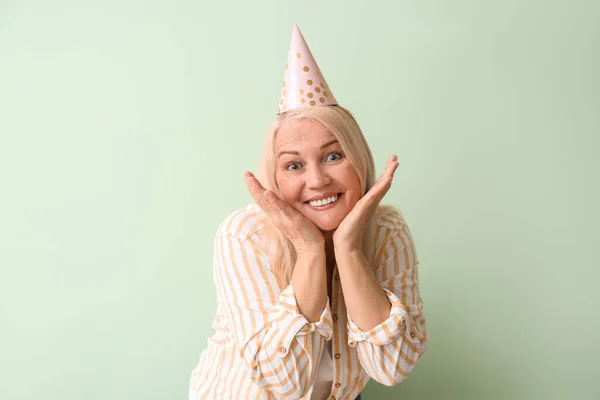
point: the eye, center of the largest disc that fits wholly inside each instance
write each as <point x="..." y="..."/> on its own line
<point x="336" y="155"/>
<point x="288" y="167"/>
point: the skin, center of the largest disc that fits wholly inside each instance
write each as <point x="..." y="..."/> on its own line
<point x="329" y="236"/>
<point x="314" y="171"/>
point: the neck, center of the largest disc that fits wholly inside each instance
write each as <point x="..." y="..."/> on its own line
<point x="329" y="254"/>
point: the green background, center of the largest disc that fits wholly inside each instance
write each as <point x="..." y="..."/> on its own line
<point x="126" y="127"/>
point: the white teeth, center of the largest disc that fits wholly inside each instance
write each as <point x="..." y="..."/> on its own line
<point x="324" y="202"/>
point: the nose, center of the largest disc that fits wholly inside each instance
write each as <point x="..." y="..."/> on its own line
<point x="317" y="177"/>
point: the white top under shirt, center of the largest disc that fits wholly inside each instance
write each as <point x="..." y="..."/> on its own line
<point x="324" y="378"/>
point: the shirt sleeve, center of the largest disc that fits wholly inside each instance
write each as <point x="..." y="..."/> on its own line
<point x="279" y="347"/>
<point x="390" y="350"/>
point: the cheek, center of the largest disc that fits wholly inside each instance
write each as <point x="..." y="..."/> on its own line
<point x="352" y="199"/>
<point x="352" y="183"/>
<point x="289" y="189"/>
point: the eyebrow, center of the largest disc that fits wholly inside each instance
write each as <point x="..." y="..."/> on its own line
<point x="297" y="154"/>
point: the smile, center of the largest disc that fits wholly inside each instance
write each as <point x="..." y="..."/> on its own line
<point x="324" y="204"/>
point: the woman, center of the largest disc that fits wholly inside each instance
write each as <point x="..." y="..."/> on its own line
<point x="317" y="285"/>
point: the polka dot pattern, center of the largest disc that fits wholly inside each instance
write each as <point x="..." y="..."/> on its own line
<point x="303" y="83"/>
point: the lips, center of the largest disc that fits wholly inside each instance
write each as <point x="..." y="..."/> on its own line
<point x="323" y="196"/>
<point x="326" y="207"/>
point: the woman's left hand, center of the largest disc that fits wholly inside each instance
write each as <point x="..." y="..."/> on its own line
<point x="349" y="233"/>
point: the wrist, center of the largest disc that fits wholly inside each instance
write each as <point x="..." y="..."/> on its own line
<point x="346" y="251"/>
<point x="344" y="244"/>
<point x="314" y="250"/>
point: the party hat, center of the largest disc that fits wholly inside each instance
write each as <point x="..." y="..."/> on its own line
<point x="303" y="83"/>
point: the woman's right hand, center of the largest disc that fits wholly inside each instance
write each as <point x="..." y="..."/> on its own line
<point x="303" y="234"/>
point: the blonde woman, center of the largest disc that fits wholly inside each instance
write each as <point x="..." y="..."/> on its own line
<point x="317" y="283"/>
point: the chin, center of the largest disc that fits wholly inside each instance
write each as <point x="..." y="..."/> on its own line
<point x="327" y="228"/>
<point x="326" y="225"/>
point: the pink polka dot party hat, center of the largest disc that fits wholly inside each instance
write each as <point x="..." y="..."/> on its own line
<point x="303" y="83"/>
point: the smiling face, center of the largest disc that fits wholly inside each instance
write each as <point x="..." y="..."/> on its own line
<point x="310" y="164"/>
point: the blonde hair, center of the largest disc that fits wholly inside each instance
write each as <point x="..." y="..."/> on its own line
<point x="343" y="126"/>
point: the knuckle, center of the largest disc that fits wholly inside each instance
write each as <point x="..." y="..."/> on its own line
<point x="265" y="201"/>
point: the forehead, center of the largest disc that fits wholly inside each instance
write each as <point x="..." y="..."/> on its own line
<point x="301" y="133"/>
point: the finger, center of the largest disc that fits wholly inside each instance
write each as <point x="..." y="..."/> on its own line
<point x="274" y="201"/>
<point x="266" y="199"/>
<point x="368" y="203"/>
<point x="391" y="166"/>
<point x="388" y="173"/>
<point x="251" y="182"/>
<point x="374" y="196"/>
<point x="257" y="191"/>
<point x="384" y="182"/>
<point x="390" y="169"/>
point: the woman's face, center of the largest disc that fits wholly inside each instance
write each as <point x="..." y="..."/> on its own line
<point x="310" y="165"/>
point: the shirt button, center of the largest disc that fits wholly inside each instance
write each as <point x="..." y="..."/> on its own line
<point x="337" y="356"/>
<point x="282" y="349"/>
<point x="335" y="317"/>
<point x="337" y="385"/>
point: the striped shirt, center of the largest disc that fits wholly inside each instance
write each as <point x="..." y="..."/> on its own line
<point x="264" y="348"/>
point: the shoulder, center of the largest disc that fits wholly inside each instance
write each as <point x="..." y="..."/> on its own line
<point x="244" y="222"/>
<point x="391" y="228"/>
<point x="393" y="237"/>
<point x="389" y="218"/>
